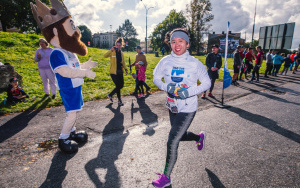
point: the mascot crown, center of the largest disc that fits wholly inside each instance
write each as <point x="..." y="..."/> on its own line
<point x="45" y="16"/>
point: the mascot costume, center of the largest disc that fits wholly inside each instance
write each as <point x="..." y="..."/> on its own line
<point x="59" y="29"/>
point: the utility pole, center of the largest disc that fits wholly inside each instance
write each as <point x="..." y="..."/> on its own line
<point x="254" y="23"/>
<point x="146" y="24"/>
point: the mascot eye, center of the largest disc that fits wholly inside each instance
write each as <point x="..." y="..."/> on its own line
<point x="72" y="24"/>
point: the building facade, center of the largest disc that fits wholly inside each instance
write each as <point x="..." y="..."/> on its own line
<point x="234" y="39"/>
<point x="104" y="40"/>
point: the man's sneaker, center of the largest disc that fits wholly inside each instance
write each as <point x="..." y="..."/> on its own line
<point x="236" y="83"/>
<point x="120" y="103"/>
<point x="143" y="95"/>
<point x="200" y="143"/>
<point x="109" y="97"/>
<point x="162" y="181"/>
<point x="203" y="96"/>
<point x="140" y="96"/>
<point x="211" y="95"/>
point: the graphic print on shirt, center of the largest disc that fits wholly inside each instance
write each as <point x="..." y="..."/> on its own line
<point x="177" y="74"/>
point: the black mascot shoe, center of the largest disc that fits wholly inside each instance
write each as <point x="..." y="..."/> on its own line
<point x="67" y="146"/>
<point x="80" y="137"/>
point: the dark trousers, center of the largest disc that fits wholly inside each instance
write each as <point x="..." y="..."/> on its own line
<point x="255" y="71"/>
<point x="285" y="69"/>
<point x="180" y="122"/>
<point x="268" y="69"/>
<point x="213" y="80"/>
<point x="140" y="86"/>
<point x="276" y="69"/>
<point x="137" y="82"/>
<point x="118" y="80"/>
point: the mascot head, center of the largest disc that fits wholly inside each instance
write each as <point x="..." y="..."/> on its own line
<point x="58" y="26"/>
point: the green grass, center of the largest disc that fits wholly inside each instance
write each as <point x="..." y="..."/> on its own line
<point x="19" y="49"/>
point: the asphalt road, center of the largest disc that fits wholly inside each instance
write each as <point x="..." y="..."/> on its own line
<point x="254" y="143"/>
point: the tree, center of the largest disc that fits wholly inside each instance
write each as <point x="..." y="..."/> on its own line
<point x="172" y="21"/>
<point x="86" y="34"/>
<point x="128" y="32"/>
<point x="17" y="13"/>
<point x="199" y="14"/>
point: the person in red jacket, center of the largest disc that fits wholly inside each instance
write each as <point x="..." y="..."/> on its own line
<point x="248" y="61"/>
<point x="258" y="62"/>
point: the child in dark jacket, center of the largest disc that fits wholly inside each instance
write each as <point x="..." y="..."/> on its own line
<point x="15" y="93"/>
<point x="287" y="64"/>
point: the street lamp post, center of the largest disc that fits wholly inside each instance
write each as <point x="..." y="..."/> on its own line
<point x="254" y="23"/>
<point x="146" y="24"/>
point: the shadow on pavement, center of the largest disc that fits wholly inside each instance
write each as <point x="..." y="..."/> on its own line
<point x="267" y="95"/>
<point x="18" y="123"/>
<point x="109" y="151"/>
<point x="57" y="172"/>
<point x="214" y="180"/>
<point x="148" y="117"/>
<point x="266" y="122"/>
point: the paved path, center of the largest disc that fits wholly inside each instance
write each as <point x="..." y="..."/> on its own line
<point x="255" y="143"/>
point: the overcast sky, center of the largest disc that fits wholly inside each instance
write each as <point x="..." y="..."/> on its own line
<point x="98" y="15"/>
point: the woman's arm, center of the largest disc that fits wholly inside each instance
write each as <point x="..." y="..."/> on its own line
<point x="107" y="54"/>
<point x="36" y="56"/>
<point x="203" y="78"/>
<point x="158" y="74"/>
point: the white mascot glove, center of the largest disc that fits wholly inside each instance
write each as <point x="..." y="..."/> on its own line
<point x="75" y="73"/>
<point x="89" y="64"/>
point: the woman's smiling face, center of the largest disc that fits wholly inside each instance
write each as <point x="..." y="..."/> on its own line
<point x="179" y="46"/>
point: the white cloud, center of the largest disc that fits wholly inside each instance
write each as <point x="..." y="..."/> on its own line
<point x="99" y="15"/>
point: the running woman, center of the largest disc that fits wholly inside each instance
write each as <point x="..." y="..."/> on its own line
<point x="180" y="72"/>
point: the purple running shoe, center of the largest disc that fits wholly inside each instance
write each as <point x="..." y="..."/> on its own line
<point x="200" y="143"/>
<point x="162" y="181"/>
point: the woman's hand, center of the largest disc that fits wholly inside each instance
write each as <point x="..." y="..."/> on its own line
<point x="113" y="48"/>
<point x="39" y="56"/>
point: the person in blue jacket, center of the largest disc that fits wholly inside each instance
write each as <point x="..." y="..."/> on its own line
<point x="277" y="61"/>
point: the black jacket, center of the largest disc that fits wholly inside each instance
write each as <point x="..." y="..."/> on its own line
<point x="236" y="58"/>
<point x="211" y="59"/>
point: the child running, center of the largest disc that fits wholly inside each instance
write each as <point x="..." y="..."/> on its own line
<point x="180" y="72"/>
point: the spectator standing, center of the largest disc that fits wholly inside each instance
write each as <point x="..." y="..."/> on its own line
<point x="288" y="61"/>
<point x="248" y="61"/>
<point x="293" y="59"/>
<point x="258" y="62"/>
<point x="277" y="60"/>
<point x="269" y="64"/>
<point x="140" y="56"/>
<point x="296" y="62"/>
<point x="213" y="64"/>
<point x="117" y="64"/>
<point x="237" y="63"/>
<point x="47" y="75"/>
<point x="141" y="78"/>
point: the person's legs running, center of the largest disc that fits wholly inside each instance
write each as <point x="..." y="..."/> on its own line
<point x="179" y="124"/>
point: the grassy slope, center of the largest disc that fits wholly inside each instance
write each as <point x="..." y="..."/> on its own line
<point x="18" y="50"/>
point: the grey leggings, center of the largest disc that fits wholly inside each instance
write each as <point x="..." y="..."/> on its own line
<point x="180" y="122"/>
